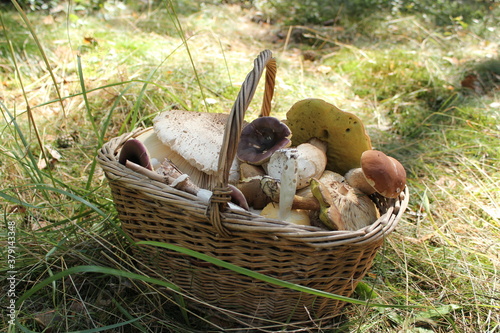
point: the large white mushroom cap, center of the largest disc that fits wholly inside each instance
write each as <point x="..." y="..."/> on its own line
<point x="196" y="136"/>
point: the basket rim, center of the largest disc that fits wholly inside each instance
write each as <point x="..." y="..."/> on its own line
<point x="239" y="220"/>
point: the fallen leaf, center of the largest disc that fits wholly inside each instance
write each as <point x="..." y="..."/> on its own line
<point x="324" y="69"/>
<point x="46" y="319"/>
<point x="48" y="20"/>
<point x="54" y="153"/>
<point x="90" y="40"/>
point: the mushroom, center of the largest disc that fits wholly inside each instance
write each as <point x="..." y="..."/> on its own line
<point x="156" y="149"/>
<point x="135" y="151"/>
<point x="249" y="185"/>
<point x="311" y="162"/>
<point x="378" y="173"/>
<point x="288" y="181"/>
<point x="342" y="206"/>
<point x="238" y="197"/>
<point x="170" y="175"/>
<point x="356" y="178"/>
<point x="343" y="132"/>
<point x="196" y="151"/>
<point x="261" y="138"/>
<point x="271" y="187"/>
<point x="302" y="200"/>
<point x="296" y="216"/>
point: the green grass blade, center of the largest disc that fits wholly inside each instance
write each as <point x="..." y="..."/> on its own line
<point x="124" y="311"/>
<point x="41" y="49"/>
<point x="92" y="269"/>
<point x="270" y="279"/>
<point x="91" y="119"/>
<point x="33" y="171"/>
<point x="176" y="98"/>
<point x="93" y="330"/>
<point x="85" y="99"/>
<point x="178" y="26"/>
<point x="74" y="197"/>
<point x="16" y="201"/>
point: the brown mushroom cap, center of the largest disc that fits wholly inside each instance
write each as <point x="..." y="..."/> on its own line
<point x="135" y="151"/>
<point x="384" y="173"/>
<point x="261" y="138"/>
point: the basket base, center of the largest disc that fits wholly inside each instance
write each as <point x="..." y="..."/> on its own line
<point x="231" y="321"/>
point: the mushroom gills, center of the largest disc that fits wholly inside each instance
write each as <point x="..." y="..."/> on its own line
<point x="261" y="138"/>
<point x="343" y="207"/>
<point x="136" y="152"/>
<point x="343" y="132"/>
<point x="196" y="151"/>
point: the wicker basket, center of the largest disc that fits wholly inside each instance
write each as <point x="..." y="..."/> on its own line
<point x="332" y="261"/>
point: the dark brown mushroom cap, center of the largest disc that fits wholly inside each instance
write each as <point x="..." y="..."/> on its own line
<point x="261" y="138"/>
<point x="384" y="173"/>
<point x="135" y="151"/>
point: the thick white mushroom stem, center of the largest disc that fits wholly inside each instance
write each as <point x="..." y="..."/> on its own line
<point x="288" y="183"/>
<point x="357" y="179"/>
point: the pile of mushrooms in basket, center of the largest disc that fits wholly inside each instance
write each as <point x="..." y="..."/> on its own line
<point x="317" y="167"/>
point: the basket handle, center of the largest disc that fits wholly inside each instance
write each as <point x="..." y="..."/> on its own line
<point x="221" y="192"/>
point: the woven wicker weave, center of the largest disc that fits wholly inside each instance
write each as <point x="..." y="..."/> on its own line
<point x="332" y="261"/>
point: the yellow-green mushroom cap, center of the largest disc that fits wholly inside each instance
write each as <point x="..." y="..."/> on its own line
<point x="343" y="132"/>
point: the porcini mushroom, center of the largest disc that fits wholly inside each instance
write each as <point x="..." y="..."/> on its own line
<point x="342" y="206"/>
<point x="343" y="132"/>
<point x="238" y="197"/>
<point x="261" y="138"/>
<point x="378" y="173"/>
<point x="311" y="162"/>
<point x="135" y="151"/>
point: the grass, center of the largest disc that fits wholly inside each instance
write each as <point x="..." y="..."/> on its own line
<point x="116" y="70"/>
